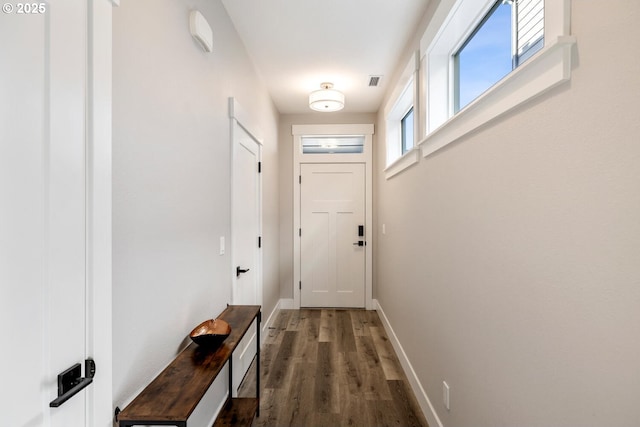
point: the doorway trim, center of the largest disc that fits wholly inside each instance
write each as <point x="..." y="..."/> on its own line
<point x="298" y="131"/>
<point x="99" y="304"/>
<point x="238" y="115"/>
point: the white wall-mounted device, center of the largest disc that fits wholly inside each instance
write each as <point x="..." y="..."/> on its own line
<point x="201" y="30"/>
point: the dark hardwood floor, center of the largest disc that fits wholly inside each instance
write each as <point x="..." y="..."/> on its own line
<point x="331" y="368"/>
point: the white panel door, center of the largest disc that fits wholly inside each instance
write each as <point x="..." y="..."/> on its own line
<point x="332" y="198"/>
<point x="245" y="235"/>
<point x="42" y="209"/>
<point x="246" y="217"/>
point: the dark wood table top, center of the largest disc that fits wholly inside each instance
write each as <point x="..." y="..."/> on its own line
<point x="176" y="391"/>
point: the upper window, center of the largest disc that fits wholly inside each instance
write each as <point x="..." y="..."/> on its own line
<point x="509" y="33"/>
<point x="485" y="57"/>
<point x="400" y="112"/>
<point x="406" y="127"/>
<point x="329" y="144"/>
<point x="476" y="67"/>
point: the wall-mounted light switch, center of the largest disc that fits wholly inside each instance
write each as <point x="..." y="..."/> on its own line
<point x="221" y="245"/>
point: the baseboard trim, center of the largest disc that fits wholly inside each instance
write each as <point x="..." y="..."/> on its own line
<point x="287" y="304"/>
<point x="416" y="386"/>
<point x="270" y="319"/>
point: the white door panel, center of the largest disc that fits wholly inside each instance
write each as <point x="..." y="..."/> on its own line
<point x="246" y="231"/>
<point x="332" y="200"/>
<point x="21" y="216"/>
<point x="42" y="210"/>
<point x="246" y="216"/>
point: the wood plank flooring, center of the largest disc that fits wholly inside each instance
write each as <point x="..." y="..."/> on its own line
<point x="331" y="368"/>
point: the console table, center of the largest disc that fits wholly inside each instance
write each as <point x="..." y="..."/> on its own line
<point x="173" y="395"/>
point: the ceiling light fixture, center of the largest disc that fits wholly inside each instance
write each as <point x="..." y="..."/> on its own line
<point x="326" y="99"/>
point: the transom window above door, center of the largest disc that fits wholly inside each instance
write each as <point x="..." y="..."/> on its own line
<point x="326" y="144"/>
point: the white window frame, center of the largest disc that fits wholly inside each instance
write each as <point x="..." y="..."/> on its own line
<point x="452" y="23"/>
<point x="403" y="98"/>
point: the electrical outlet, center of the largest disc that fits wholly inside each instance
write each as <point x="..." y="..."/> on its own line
<point x="445" y="395"/>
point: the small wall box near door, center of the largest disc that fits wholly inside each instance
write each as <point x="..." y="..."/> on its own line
<point x="175" y="392"/>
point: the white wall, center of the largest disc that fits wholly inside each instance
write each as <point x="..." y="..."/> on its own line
<point x="510" y="266"/>
<point x="171" y="189"/>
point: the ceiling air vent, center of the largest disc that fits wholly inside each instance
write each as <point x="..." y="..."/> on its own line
<point x="374" y="81"/>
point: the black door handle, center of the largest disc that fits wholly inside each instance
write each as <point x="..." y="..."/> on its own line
<point x="239" y="271"/>
<point x="360" y="243"/>
<point x="70" y="382"/>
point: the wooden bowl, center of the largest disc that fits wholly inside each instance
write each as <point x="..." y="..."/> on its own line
<point x="210" y="333"/>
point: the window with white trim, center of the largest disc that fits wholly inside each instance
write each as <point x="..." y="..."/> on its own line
<point x="332" y="144"/>
<point x="400" y="112"/>
<point x="403" y="104"/>
<point x="485" y="57"/>
<point x="510" y="33"/>
<point x="538" y="57"/>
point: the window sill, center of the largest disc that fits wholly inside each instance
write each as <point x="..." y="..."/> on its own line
<point x="407" y="160"/>
<point x="547" y="69"/>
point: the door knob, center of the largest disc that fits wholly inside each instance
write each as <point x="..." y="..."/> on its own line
<point x="239" y="271"/>
<point x="360" y="243"/>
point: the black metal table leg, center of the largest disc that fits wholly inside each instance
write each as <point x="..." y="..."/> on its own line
<point x="258" y="361"/>
<point x="231" y="377"/>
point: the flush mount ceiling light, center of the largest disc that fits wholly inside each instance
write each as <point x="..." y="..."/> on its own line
<point x="326" y="99"/>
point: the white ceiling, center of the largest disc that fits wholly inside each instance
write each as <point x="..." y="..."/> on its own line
<point x="298" y="44"/>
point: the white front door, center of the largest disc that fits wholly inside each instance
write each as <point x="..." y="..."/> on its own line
<point x="246" y="239"/>
<point x="332" y="220"/>
<point x="42" y="209"/>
